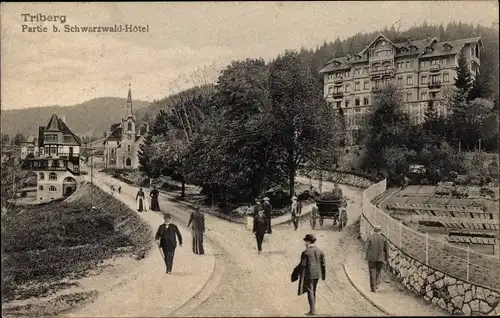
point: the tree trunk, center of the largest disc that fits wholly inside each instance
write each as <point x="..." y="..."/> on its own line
<point x="292" y="167"/>
<point x="183" y="188"/>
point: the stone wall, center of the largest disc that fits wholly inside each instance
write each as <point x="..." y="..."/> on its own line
<point x="453" y="295"/>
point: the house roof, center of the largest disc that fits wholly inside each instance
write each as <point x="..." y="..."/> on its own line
<point x="30" y="139"/>
<point x="58" y="125"/>
<point x="116" y="133"/>
<point x="422" y="47"/>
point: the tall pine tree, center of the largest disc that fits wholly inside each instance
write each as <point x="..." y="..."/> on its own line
<point x="463" y="81"/>
<point x="145" y="156"/>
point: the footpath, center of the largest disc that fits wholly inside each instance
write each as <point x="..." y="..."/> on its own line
<point x="392" y="298"/>
<point x="148" y="291"/>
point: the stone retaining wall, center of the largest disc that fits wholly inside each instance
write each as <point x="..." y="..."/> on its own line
<point x="453" y="295"/>
<point x="342" y="178"/>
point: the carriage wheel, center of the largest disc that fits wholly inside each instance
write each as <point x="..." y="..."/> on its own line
<point x="312" y="222"/>
<point x="321" y="221"/>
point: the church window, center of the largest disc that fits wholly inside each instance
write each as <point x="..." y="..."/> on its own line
<point x="128" y="148"/>
<point x="129" y="127"/>
<point x="129" y="162"/>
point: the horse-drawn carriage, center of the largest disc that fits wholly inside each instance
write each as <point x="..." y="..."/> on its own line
<point x="328" y="206"/>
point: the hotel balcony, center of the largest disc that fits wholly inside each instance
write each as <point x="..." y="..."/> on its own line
<point x="382" y="72"/>
<point x="434" y="85"/>
<point x="337" y="95"/>
<point x="338" y="80"/>
<point x="54" y="163"/>
<point x="434" y="68"/>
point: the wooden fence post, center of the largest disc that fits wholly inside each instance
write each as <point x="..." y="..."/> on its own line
<point x="426" y="248"/>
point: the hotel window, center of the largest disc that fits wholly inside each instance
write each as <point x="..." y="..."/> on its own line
<point x="42" y="176"/>
<point x="356" y="101"/>
<point x="365" y="85"/>
<point x="338" y="104"/>
<point x="52" y="176"/>
<point x="424" y="79"/>
<point x="411" y="64"/>
<point x="407" y="64"/>
<point x="435" y="79"/>
<point x="356" y="86"/>
<point x="400" y="81"/>
<point x="346" y="103"/>
<point x="52" y="188"/>
<point x="446" y="77"/>
<point x="409" y="97"/>
<point x="330" y="90"/>
<point x="409" y="80"/>
<point x="422" y="64"/>
<point x="366" y="101"/>
<point x="423" y="96"/>
<point x="347" y="88"/>
<point x="337" y="89"/>
<point x="41" y="188"/>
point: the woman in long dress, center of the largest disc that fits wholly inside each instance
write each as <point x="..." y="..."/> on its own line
<point x="155" y="206"/>
<point x="197" y="223"/>
<point x="140" y="200"/>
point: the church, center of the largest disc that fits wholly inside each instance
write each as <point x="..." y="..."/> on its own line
<point x="123" y="140"/>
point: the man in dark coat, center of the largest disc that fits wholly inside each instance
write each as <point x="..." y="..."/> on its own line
<point x="259" y="229"/>
<point x="197" y="223"/>
<point x="267" y="214"/>
<point x="377" y="252"/>
<point x="155" y="206"/>
<point x="296" y="211"/>
<point x="337" y="192"/>
<point x="166" y="239"/>
<point x="257" y="207"/>
<point x="310" y="269"/>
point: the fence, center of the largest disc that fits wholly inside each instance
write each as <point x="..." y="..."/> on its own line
<point x="464" y="264"/>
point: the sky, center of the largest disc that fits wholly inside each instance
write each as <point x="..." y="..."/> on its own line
<point x="186" y="45"/>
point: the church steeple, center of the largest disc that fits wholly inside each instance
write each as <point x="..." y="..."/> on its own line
<point x="129" y="101"/>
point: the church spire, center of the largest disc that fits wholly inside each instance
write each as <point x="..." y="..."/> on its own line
<point x="129" y="101"/>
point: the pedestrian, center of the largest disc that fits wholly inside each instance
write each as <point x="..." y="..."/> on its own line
<point x="167" y="241"/>
<point x="155" y="206"/>
<point x="296" y="211"/>
<point x="337" y="192"/>
<point x="310" y="269"/>
<point x="259" y="228"/>
<point x="145" y="203"/>
<point x="377" y="252"/>
<point x="140" y="200"/>
<point x="119" y="189"/>
<point x="257" y="207"/>
<point x="267" y="214"/>
<point x="197" y="223"/>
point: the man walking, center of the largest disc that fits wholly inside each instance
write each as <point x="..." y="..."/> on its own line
<point x="166" y="239"/>
<point x="259" y="229"/>
<point x="197" y="223"/>
<point x="377" y="252"/>
<point x="310" y="269"/>
<point x="257" y="207"/>
<point x="267" y="214"/>
<point x="296" y="211"/>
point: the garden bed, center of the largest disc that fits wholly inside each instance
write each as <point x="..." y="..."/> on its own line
<point x="45" y="244"/>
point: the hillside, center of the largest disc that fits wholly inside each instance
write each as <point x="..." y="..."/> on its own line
<point x="92" y="117"/>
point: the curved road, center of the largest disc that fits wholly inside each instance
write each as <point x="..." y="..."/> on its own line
<point x="248" y="284"/>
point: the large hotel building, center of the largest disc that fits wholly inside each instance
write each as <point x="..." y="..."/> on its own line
<point x="423" y="69"/>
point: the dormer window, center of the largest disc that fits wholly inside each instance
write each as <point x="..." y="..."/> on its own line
<point x="447" y="47"/>
<point x="413" y="48"/>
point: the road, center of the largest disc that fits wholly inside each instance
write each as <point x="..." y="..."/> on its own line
<point x="249" y="284"/>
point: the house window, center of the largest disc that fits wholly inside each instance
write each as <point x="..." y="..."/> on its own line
<point x="52" y="176"/>
<point x="424" y="79"/>
<point x="338" y="104"/>
<point x="356" y="101"/>
<point x="128" y="148"/>
<point x="423" y="96"/>
<point x="407" y="64"/>
<point x="356" y="86"/>
<point x="435" y="79"/>
<point x="366" y="83"/>
<point x="41" y="188"/>
<point x="42" y="176"/>
<point x="52" y="188"/>
<point x="366" y="101"/>
<point x="67" y="138"/>
<point x="400" y="81"/>
<point x="446" y="77"/>
<point x="129" y="127"/>
<point x="409" y="97"/>
<point x="337" y="89"/>
<point x="346" y="103"/>
<point x="347" y="88"/>
<point x="409" y="80"/>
